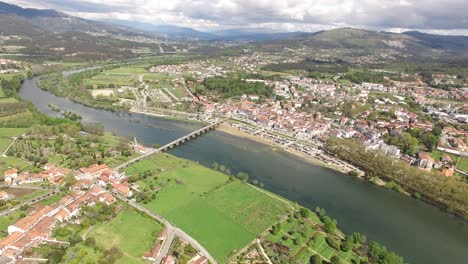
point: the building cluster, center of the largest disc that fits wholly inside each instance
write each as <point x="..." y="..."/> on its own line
<point x="289" y="113"/>
<point x="52" y="174"/>
<point x="87" y="177"/>
<point x="36" y="228"/>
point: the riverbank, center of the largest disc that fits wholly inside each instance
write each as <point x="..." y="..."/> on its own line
<point x="310" y="159"/>
<point x="358" y="206"/>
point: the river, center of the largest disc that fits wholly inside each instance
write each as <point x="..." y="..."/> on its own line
<point x="419" y="232"/>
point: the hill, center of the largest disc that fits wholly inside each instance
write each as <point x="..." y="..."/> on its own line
<point x="349" y="42"/>
<point x="35" y="21"/>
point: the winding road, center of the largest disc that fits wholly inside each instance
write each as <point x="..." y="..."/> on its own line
<point x="172" y="232"/>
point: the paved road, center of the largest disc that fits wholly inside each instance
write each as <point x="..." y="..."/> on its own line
<point x="31" y="187"/>
<point x="30" y="202"/>
<point x="172" y="232"/>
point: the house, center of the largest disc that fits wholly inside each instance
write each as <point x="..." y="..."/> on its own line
<point x="156" y="249"/>
<point x="82" y="185"/>
<point x="123" y="188"/>
<point x="169" y="259"/>
<point x="3" y="195"/>
<point x="10" y="176"/>
<point x="447" y="172"/>
<point x="107" y="198"/>
<point x="27" y="222"/>
<point x="198" y="259"/>
<point x="54" y="173"/>
<point x="91" y="172"/>
<point x="425" y="162"/>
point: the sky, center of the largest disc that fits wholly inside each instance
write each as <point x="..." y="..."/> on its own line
<point x="432" y="16"/>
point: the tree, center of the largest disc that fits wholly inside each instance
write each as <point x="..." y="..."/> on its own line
<point x="243" y="176"/>
<point x="304" y="212"/>
<point x="215" y="165"/>
<point x="335" y="260"/>
<point x="347" y="245"/>
<point x="315" y="259"/>
<point x="69" y="180"/>
<point x="357" y="238"/>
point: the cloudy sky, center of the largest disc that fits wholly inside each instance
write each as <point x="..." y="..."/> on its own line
<point x="433" y="16"/>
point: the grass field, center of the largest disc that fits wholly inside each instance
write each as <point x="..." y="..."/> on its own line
<point x="7" y="163"/>
<point x="11" y="132"/>
<point x="131" y="232"/>
<point x="4" y="143"/>
<point x="8" y="100"/>
<point x="2" y="94"/>
<point x="345" y="82"/>
<point x="462" y="163"/>
<point x="207" y="204"/>
<point x="18" y="118"/>
<point x="120" y="76"/>
<point x="5" y="221"/>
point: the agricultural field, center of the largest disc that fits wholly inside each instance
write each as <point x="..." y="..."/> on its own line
<point x="300" y="237"/>
<point x="131" y="232"/>
<point x="123" y="76"/>
<point x="207" y="204"/>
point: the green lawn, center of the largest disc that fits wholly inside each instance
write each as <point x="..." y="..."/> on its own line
<point x="8" y="100"/>
<point x="54" y="198"/>
<point x="4" y="143"/>
<point x="5" y="221"/>
<point x="11" y="132"/>
<point x="131" y="232"/>
<point x="120" y="76"/>
<point x="7" y="163"/>
<point x="345" y="82"/>
<point x="223" y="215"/>
<point x="462" y="163"/>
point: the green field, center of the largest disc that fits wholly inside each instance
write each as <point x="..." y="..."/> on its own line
<point x="2" y="94"/>
<point x="7" y="163"/>
<point x="8" y="100"/>
<point x="207" y="204"/>
<point x="124" y="76"/>
<point x="462" y="163"/>
<point x="4" y="143"/>
<point x="5" y="221"/>
<point x="131" y="232"/>
<point x="11" y="132"/>
<point x="345" y="82"/>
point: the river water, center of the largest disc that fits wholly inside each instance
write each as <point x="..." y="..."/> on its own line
<point x="419" y="232"/>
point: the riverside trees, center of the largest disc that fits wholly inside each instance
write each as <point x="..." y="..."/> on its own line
<point x="446" y="192"/>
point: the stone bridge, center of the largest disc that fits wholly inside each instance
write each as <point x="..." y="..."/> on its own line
<point x="173" y="143"/>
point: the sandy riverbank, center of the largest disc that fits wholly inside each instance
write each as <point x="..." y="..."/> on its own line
<point x="236" y="132"/>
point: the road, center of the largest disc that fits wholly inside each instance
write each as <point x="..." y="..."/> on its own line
<point x="172" y="232"/>
<point x="29" y="202"/>
<point x="262" y="251"/>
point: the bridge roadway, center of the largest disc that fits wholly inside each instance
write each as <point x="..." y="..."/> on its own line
<point x="173" y="143"/>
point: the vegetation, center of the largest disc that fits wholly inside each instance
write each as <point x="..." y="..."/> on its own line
<point x="228" y="87"/>
<point x="187" y="192"/>
<point x="446" y="192"/>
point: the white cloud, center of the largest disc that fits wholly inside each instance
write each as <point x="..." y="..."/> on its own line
<point x="308" y="15"/>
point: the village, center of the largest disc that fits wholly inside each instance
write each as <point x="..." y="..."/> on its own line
<point x="305" y="111"/>
<point x="94" y="186"/>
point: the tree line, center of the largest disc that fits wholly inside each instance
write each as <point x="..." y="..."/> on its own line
<point x="445" y="192"/>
